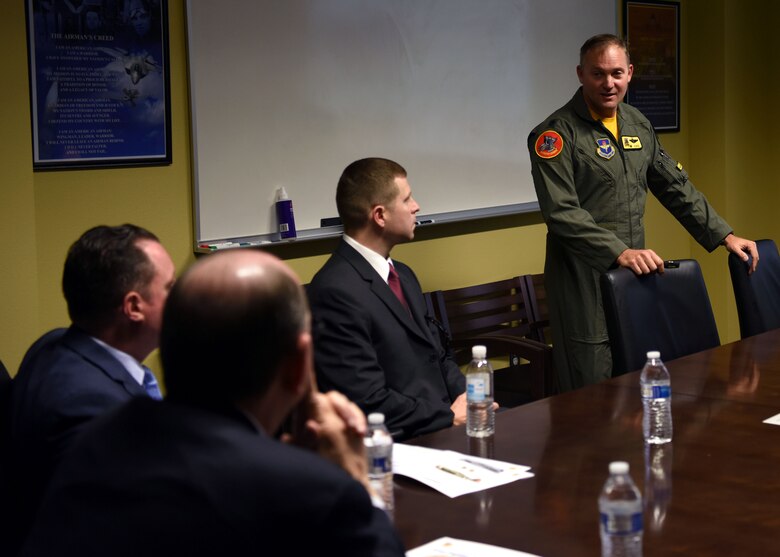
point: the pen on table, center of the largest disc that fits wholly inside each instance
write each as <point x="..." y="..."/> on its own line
<point x="483" y="465"/>
<point x="456" y="473"/>
<point x="427" y="221"/>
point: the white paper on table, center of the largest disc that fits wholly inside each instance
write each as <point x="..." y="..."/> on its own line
<point x="774" y="420"/>
<point x="451" y="547"/>
<point x="453" y="473"/>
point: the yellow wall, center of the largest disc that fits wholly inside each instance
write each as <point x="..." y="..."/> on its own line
<point x="732" y="96"/>
<point x="725" y="83"/>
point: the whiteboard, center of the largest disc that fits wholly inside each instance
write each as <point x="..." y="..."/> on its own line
<point x="289" y="92"/>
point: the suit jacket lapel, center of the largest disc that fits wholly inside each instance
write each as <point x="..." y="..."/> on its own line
<point x="380" y="288"/>
<point x="83" y="344"/>
<point x="418" y="310"/>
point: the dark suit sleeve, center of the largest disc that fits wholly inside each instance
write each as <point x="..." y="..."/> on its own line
<point x="345" y="340"/>
<point x="453" y="376"/>
<point x="451" y="373"/>
<point x="359" y="529"/>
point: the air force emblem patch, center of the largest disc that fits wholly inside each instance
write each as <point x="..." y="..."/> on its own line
<point x="605" y="149"/>
<point x="631" y="143"/>
<point x="549" y="144"/>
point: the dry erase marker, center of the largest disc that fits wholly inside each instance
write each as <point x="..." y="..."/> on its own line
<point x="427" y="221"/>
<point x="222" y="245"/>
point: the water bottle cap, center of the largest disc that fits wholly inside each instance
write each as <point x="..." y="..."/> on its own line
<point x="653" y="355"/>
<point x="618" y="467"/>
<point x="376" y="418"/>
<point x="478" y="352"/>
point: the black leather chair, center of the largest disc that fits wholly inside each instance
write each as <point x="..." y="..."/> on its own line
<point x="669" y="312"/>
<point x="5" y="400"/>
<point x="758" y="294"/>
<point x="4" y="375"/>
<point x="5" y="414"/>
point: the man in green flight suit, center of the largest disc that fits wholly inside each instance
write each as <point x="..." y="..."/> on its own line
<point x="593" y="161"/>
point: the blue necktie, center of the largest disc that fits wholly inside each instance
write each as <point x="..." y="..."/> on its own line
<point x="150" y="384"/>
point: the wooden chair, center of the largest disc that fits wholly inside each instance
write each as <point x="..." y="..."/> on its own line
<point x="496" y="314"/>
<point x="539" y="313"/>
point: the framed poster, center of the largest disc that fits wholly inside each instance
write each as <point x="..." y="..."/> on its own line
<point x="652" y="30"/>
<point x="99" y="83"/>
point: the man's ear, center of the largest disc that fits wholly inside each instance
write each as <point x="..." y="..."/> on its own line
<point x="132" y="305"/>
<point x="378" y="215"/>
<point x="298" y="368"/>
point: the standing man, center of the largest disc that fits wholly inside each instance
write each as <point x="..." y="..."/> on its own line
<point x="200" y="473"/>
<point x="593" y="161"/>
<point x="115" y="281"/>
<point x="373" y="338"/>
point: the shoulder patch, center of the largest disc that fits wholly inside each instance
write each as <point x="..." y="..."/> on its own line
<point x="549" y="144"/>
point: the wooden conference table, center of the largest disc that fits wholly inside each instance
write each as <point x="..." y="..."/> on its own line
<point x="715" y="490"/>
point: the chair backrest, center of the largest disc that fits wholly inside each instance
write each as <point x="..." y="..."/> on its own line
<point x="757" y="294"/>
<point x="5" y="415"/>
<point x="669" y="312"/>
<point x="498" y="315"/>
<point x="499" y="307"/>
<point x="539" y="309"/>
<point x="5" y="399"/>
<point x="4" y="375"/>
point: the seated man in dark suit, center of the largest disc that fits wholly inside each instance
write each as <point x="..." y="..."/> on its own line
<point x="200" y="473"/>
<point x="115" y="282"/>
<point x="379" y="350"/>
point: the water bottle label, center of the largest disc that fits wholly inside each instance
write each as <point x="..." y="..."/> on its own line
<point x="379" y="465"/>
<point x="621" y="524"/>
<point x="475" y="389"/>
<point x="656" y="391"/>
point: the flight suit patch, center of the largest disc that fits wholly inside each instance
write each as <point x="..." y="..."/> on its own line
<point x="631" y="142"/>
<point x="549" y="144"/>
<point x="605" y="149"/>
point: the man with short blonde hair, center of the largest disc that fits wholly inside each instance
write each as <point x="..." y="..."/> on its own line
<point x="374" y="340"/>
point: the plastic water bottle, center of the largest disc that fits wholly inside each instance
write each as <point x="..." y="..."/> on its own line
<point x="480" y="416"/>
<point x="285" y="215"/>
<point x="620" y="507"/>
<point x="379" y="451"/>
<point x="657" y="400"/>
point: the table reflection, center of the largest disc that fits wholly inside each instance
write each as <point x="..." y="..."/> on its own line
<point x="658" y="483"/>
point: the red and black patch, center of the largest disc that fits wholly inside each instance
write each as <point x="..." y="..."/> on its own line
<point x="549" y="145"/>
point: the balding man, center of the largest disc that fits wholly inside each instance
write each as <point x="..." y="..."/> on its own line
<point x="200" y="473"/>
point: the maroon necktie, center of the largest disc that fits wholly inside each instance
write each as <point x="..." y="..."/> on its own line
<point x="395" y="285"/>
